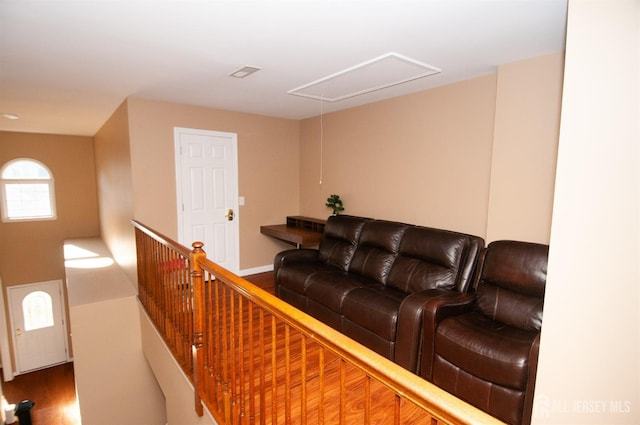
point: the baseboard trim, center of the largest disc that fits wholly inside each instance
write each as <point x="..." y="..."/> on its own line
<point x="256" y="270"/>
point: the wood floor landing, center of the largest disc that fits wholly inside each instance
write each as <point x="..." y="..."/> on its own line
<point x="54" y="392"/>
<point x="300" y="382"/>
<point x="264" y="281"/>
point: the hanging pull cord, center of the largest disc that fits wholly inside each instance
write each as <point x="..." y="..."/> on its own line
<point x="321" y="137"/>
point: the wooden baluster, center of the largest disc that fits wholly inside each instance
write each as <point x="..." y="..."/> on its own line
<point x="261" y="340"/>
<point x="303" y="379"/>
<point x="197" y="254"/>
<point x="252" y="404"/>
<point x="367" y="400"/>
<point x="287" y="375"/>
<point x="218" y="346"/>
<point x="210" y="332"/>
<point x="214" y="345"/>
<point x="187" y="315"/>
<point x="225" y="354"/>
<point x="322" y="382"/>
<point x="188" y="311"/>
<point x="167" y="298"/>
<point x="343" y="391"/>
<point x="241" y="362"/>
<point x="274" y="372"/>
<point x="233" y="389"/>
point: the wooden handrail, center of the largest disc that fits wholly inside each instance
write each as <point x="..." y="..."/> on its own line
<point x="257" y="359"/>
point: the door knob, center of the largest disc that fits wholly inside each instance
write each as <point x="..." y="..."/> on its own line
<point x="229" y="214"/>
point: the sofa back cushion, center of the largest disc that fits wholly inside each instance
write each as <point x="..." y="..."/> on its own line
<point x="377" y="249"/>
<point x="434" y="259"/>
<point x="339" y="241"/>
<point x="511" y="283"/>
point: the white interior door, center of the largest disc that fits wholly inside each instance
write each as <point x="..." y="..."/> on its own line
<point x="207" y="189"/>
<point x="39" y="329"/>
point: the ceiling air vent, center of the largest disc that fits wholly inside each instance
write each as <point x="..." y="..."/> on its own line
<point x="245" y="71"/>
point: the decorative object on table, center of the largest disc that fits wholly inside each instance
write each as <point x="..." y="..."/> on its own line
<point x="334" y="202"/>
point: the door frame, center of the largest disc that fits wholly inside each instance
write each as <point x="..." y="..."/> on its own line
<point x="63" y="316"/>
<point x="233" y="137"/>
<point x="5" y="351"/>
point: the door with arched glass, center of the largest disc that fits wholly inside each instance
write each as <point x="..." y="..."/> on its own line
<point x="39" y="329"/>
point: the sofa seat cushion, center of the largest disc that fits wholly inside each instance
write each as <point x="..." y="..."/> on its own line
<point x="487" y="349"/>
<point x="375" y="308"/>
<point x="295" y="277"/>
<point x="504" y="403"/>
<point x="329" y="288"/>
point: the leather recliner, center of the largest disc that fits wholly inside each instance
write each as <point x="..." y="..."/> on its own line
<point x="484" y="349"/>
<point x="370" y="279"/>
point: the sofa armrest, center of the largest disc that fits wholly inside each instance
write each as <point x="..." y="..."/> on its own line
<point x="409" y="337"/>
<point x="531" y="381"/>
<point x="293" y="256"/>
<point x="434" y="312"/>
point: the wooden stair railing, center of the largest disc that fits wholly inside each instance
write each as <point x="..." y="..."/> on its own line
<point x="165" y="291"/>
<point x="254" y="359"/>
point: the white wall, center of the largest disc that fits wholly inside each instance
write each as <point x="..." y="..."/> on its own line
<point x="176" y="387"/>
<point x="589" y="370"/>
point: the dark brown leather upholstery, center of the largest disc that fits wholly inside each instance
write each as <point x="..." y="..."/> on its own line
<point x="485" y="349"/>
<point x="371" y="278"/>
<point x="293" y="268"/>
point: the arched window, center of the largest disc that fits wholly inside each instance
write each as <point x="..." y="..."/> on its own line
<point x="27" y="191"/>
<point x="37" y="308"/>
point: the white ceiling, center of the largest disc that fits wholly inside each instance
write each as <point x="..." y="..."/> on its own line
<point x="65" y="66"/>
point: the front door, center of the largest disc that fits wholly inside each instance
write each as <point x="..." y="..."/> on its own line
<point x="39" y="329"/>
<point x="207" y="190"/>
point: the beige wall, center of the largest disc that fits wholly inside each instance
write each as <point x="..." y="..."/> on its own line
<point x="32" y="250"/>
<point x="267" y="169"/>
<point x="589" y="368"/>
<point x="113" y="167"/>
<point x="525" y="146"/>
<point x="422" y="158"/>
<point x="476" y="156"/>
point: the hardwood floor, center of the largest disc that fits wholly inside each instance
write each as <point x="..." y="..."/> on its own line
<point x="272" y="373"/>
<point x="53" y="391"/>
<point x="264" y="281"/>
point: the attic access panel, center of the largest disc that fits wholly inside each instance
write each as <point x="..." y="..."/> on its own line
<point x="376" y="74"/>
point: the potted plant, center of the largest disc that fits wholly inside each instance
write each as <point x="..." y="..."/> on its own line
<point x="334" y="202"/>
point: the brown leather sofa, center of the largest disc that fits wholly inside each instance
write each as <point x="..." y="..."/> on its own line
<point x="484" y="349"/>
<point x="370" y="279"/>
